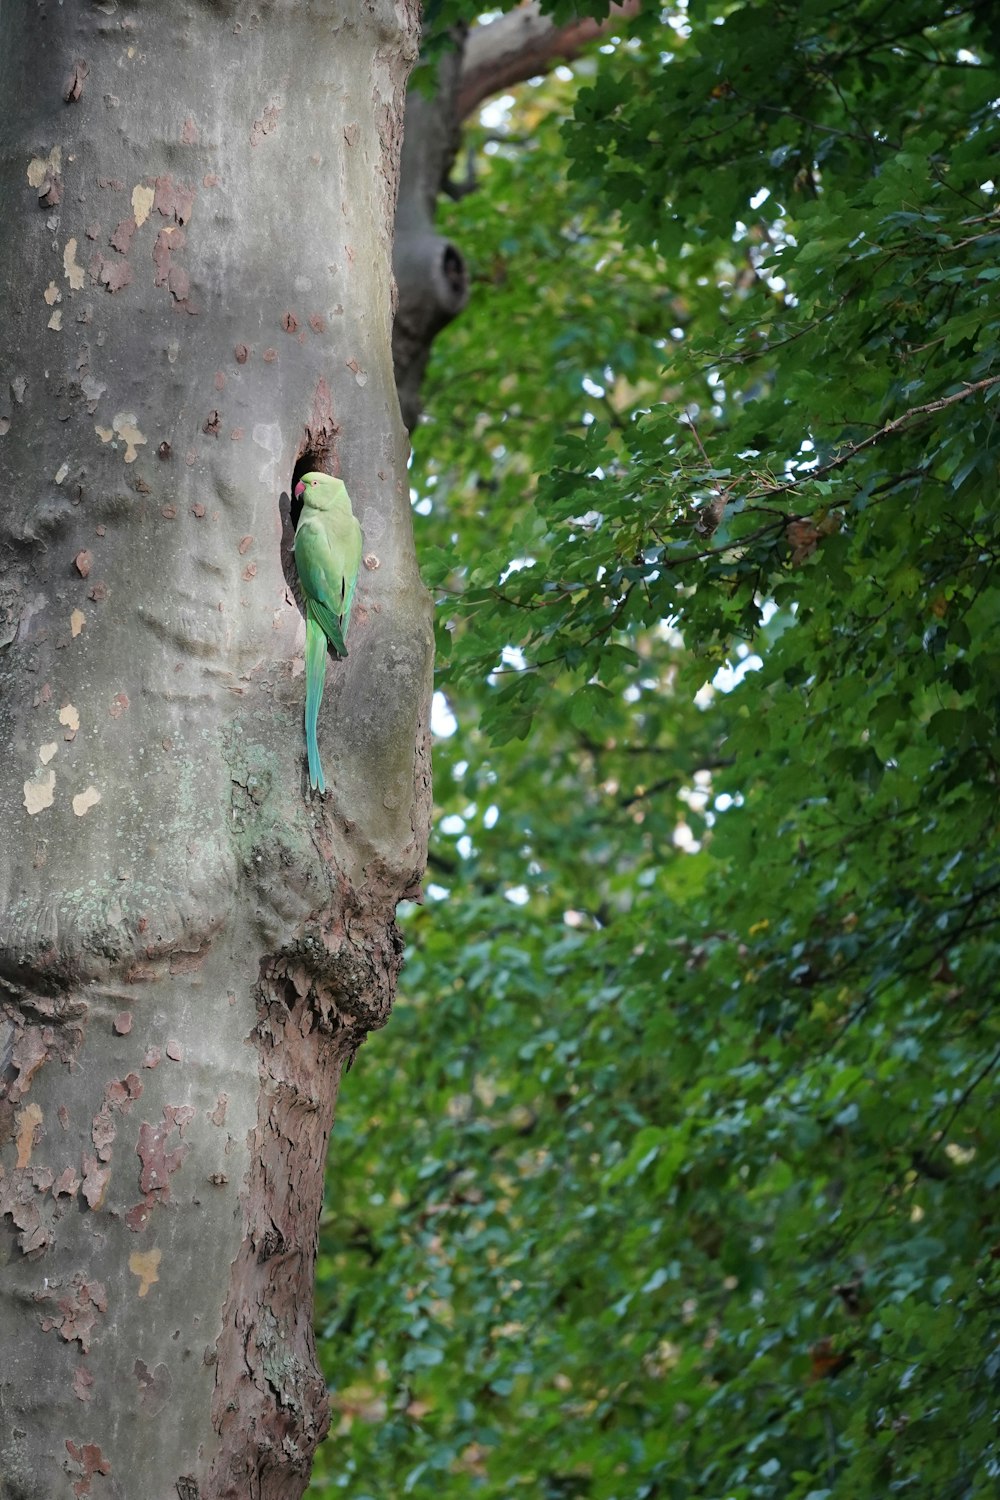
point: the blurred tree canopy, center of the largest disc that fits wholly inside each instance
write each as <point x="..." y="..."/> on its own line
<point x="675" y="1173"/>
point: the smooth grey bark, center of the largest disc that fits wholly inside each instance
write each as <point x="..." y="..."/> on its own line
<point x="197" y="204"/>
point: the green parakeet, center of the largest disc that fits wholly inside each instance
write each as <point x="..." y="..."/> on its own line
<point x="327" y="556"/>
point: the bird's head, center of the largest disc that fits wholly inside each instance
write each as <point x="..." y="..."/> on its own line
<point x="305" y="485"/>
<point x="321" y="491"/>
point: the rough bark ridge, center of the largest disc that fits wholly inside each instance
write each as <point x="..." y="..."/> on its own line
<point x="197" y="207"/>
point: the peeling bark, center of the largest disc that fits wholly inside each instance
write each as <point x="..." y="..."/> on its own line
<point x="190" y="946"/>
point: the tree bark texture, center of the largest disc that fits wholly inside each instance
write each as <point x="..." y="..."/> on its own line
<point x="197" y="203"/>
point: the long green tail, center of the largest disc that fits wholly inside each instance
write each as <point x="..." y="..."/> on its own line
<point x="315" y="678"/>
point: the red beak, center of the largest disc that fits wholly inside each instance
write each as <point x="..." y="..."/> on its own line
<point x="299" y="490"/>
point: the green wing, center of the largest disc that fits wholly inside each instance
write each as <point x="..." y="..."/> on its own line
<point x="328" y="545"/>
<point x="328" y="557"/>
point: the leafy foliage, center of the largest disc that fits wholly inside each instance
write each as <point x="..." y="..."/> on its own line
<point x="676" y="1172"/>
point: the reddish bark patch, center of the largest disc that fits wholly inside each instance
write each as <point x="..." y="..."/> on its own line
<point x="119" y="705"/>
<point x="89" y="1461"/>
<point x="290" y="323"/>
<point x="19" y="1201"/>
<point x="119" y="1096"/>
<point x="103" y="1132"/>
<point x="83" y="562"/>
<point x="51" y="191"/>
<point x="153" y="1057"/>
<point x="189" y="134"/>
<point x="211" y="424"/>
<point x="159" y="1164"/>
<point x="72" y="1311"/>
<point x="246" y="543"/>
<point x="32" y="1047"/>
<point x="95" y="1182"/>
<point x="83" y="1383"/>
<point x="220" y="380"/>
<point x="169" y="242"/>
<point x="269" y="356"/>
<point x="67" y="1184"/>
<point x="138" y="1217"/>
<point x="174" y="200"/>
<point x="113" y="274"/>
<point x="241" y="353"/>
<point x="123" y="1092"/>
<point x="218" y="1114"/>
<point x="121" y="240"/>
<point x="317" y="323"/>
<point x="29" y="1052"/>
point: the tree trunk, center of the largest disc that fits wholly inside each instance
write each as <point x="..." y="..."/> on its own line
<point x="431" y="272"/>
<point x="197" y="211"/>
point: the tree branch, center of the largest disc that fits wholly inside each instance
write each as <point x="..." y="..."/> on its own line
<point x="898" y="424"/>
<point x="521" y="44"/>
